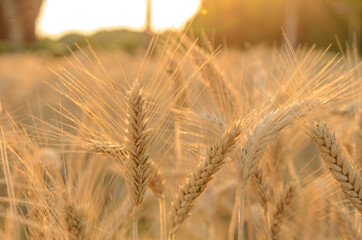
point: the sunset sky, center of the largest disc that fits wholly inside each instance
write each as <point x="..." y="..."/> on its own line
<point x="87" y="16"/>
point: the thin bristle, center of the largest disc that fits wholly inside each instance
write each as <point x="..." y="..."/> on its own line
<point x="221" y="90"/>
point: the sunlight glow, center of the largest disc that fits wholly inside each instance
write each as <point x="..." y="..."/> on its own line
<point x="87" y="16"/>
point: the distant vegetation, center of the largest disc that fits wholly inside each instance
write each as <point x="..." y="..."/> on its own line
<point x="124" y="40"/>
<point x="242" y="23"/>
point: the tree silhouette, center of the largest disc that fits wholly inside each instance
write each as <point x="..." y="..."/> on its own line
<point x="17" y="21"/>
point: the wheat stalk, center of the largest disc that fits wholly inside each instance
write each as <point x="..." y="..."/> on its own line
<point x="359" y="140"/>
<point x="197" y="181"/>
<point x="338" y="163"/>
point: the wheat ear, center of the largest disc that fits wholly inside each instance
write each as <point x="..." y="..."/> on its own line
<point x="75" y="221"/>
<point x="156" y="181"/>
<point x="281" y="211"/>
<point x="105" y="147"/>
<point x="256" y="142"/>
<point x="137" y="161"/>
<point x="264" y="187"/>
<point x="36" y="216"/>
<point x="265" y="191"/>
<point x="338" y="163"/>
<point x="197" y="181"/>
<point x="264" y="132"/>
<point x="157" y="185"/>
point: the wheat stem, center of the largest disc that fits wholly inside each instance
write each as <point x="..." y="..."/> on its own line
<point x="234" y="216"/>
<point x="241" y="212"/>
<point x="163" y="226"/>
<point x="135" y="223"/>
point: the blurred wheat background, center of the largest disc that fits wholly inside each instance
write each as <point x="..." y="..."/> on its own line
<point x="174" y="119"/>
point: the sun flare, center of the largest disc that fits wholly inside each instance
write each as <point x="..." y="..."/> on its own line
<point x="87" y="16"/>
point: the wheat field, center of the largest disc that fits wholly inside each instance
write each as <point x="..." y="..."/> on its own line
<point x="182" y="141"/>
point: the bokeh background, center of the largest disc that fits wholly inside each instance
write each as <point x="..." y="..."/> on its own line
<point x="50" y="25"/>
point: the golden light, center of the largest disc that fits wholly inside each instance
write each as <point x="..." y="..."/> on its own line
<point x="87" y="16"/>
